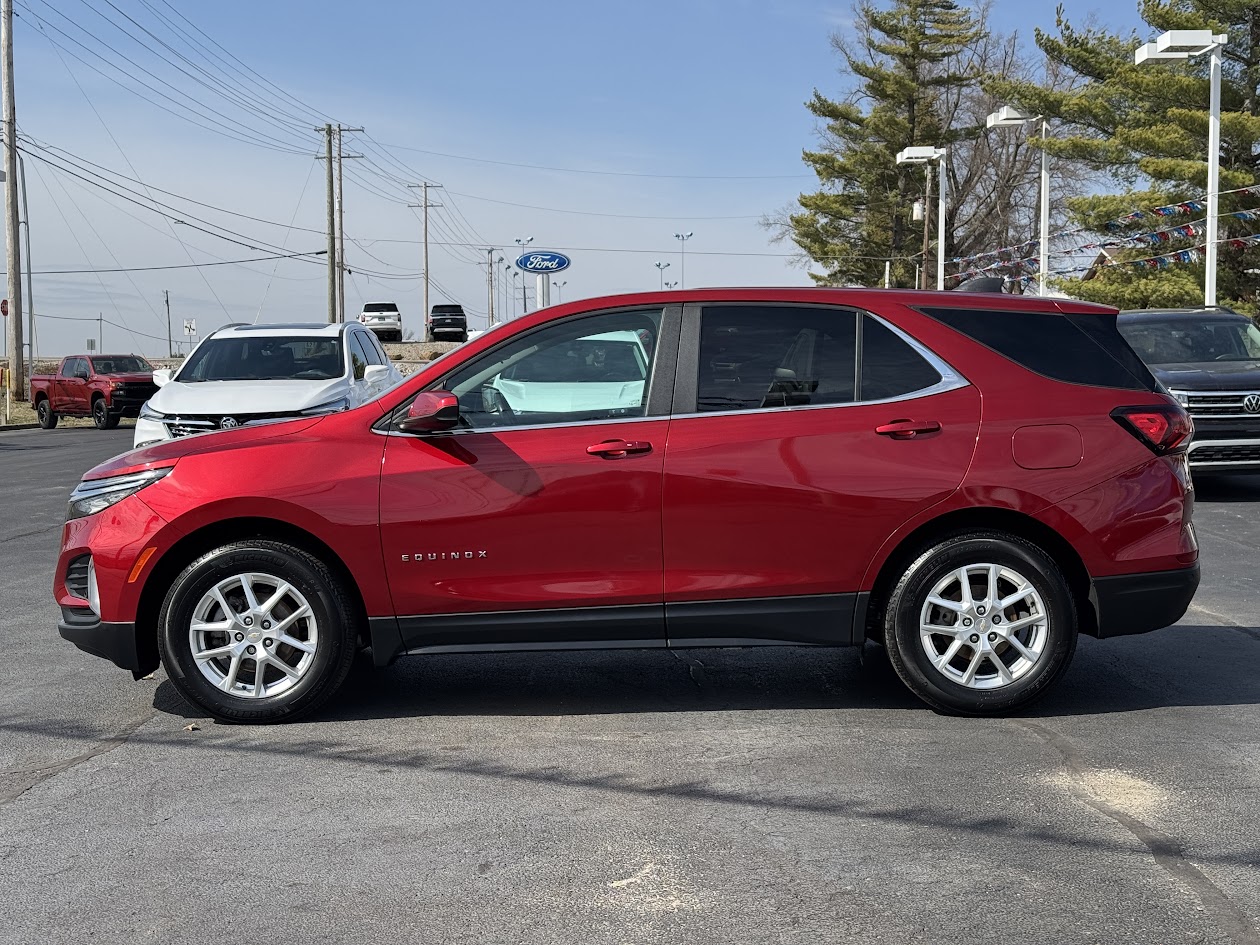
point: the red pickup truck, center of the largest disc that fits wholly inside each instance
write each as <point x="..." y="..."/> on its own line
<point x="105" y="387"/>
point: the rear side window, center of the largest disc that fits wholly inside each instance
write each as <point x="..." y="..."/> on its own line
<point x="890" y="367"/>
<point x="1077" y="349"/>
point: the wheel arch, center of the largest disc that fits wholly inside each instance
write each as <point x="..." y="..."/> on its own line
<point x="215" y="534"/>
<point x="1019" y="524"/>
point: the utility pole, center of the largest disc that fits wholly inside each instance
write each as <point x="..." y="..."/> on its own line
<point x="170" y="345"/>
<point x="341" y="228"/>
<point x="425" y="205"/>
<point x="490" y="287"/>
<point x="13" y="254"/>
<point x="927" y="228"/>
<point x="29" y="297"/>
<point x="332" y="224"/>
<point x="100" y="332"/>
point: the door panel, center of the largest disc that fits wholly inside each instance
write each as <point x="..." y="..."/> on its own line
<point x="803" y="437"/>
<point x="528" y="519"/>
<point x="798" y="501"/>
<point x="548" y="496"/>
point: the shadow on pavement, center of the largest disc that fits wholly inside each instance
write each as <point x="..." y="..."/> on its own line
<point x="1122" y="675"/>
<point x="1225" y="488"/>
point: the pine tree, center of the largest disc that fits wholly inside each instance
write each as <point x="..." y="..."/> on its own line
<point x="1150" y="123"/>
<point x="861" y="215"/>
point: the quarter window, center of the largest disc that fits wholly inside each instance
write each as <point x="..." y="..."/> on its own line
<point x="890" y="367"/>
<point x="358" y="357"/>
<point x="579" y="370"/>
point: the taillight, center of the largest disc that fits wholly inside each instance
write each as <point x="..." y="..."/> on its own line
<point x="1165" y="428"/>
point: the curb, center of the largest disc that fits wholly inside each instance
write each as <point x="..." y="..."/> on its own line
<point x="18" y="426"/>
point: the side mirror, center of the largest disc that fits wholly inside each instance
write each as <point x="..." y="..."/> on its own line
<point x="162" y="376"/>
<point x="376" y="374"/>
<point x="431" y="412"/>
<point x="81" y="374"/>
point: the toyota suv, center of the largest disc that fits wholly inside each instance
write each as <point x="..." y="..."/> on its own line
<point x="971" y="481"/>
<point x="1209" y="359"/>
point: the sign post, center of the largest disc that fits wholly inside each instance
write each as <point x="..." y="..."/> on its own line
<point x="543" y="265"/>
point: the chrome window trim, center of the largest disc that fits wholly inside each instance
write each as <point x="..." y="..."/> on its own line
<point x="950" y="380"/>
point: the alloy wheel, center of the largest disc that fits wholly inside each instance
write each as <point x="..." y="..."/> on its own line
<point x="253" y="636"/>
<point x="984" y="626"/>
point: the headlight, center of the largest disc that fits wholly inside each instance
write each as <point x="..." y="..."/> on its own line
<point x="1181" y="397"/>
<point x="148" y="413"/>
<point x="96" y="495"/>
<point x="333" y="406"/>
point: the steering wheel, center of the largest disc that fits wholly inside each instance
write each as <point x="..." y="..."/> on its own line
<point x="494" y="403"/>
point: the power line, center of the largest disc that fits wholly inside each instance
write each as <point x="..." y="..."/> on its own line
<point x="584" y="170"/>
<point x="620" y="216"/>
<point x="224" y="262"/>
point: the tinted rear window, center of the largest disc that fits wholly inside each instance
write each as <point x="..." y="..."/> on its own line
<point x="1078" y="349"/>
<point x="380" y="307"/>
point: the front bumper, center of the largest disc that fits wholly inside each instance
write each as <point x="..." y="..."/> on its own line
<point x="117" y="642"/>
<point x="1224" y="455"/>
<point x="1140" y="603"/>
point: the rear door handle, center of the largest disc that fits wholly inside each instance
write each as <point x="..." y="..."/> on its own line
<point x="908" y="429"/>
<point x="616" y="449"/>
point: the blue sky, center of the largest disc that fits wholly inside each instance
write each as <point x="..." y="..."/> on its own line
<point x="710" y="92"/>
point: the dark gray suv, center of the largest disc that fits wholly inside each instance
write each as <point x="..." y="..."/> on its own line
<point x="1209" y="359"/>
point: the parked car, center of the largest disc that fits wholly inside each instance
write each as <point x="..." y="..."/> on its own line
<point x="1209" y="359"/>
<point x="447" y="323"/>
<point x="247" y="374"/>
<point x="105" y="387"/>
<point x="802" y="466"/>
<point x="384" y="319"/>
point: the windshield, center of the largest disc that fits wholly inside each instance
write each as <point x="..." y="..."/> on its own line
<point x="128" y="364"/>
<point x="1191" y="339"/>
<point x="265" y="359"/>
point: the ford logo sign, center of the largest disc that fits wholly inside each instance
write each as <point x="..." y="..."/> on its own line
<point x="542" y="262"/>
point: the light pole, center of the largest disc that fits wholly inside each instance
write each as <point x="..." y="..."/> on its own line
<point x="682" y="265"/>
<point x="926" y="155"/>
<point x="670" y="285"/>
<point x="558" y="286"/>
<point x="1187" y="44"/>
<point x="661" y="267"/>
<point x="1008" y="117"/>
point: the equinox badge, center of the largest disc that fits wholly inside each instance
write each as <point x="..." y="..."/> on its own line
<point x="444" y="555"/>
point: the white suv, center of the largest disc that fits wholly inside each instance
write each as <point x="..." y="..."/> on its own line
<point x="384" y="319"/>
<point x="251" y="373"/>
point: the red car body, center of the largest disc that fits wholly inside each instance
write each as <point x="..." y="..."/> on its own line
<point x="763" y="526"/>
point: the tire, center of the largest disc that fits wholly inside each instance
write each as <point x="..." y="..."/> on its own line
<point x="329" y="628"/>
<point x="44" y="414"/>
<point x="1041" y="602"/>
<point x="100" y="414"/>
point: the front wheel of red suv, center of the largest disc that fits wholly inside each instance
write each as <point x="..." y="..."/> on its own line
<point x="257" y="631"/>
<point x="981" y="624"/>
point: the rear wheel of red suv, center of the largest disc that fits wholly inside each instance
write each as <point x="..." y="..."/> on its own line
<point x="981" y="624"/>
<point x="257" y="631"/>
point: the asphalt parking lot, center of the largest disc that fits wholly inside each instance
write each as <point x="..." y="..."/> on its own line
<point x="753" y="796"/>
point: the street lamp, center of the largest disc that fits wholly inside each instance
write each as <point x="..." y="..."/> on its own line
<point x="662" y="267"/>
<point x="670" y="285"/>
<point x="926" y="155"/>
<point x="1187" y="44"/>
<point x="558" y="286"/>
<point x="522" y="243"/>
<point x="1008" y="117"/>
<point x="682" y="267"/>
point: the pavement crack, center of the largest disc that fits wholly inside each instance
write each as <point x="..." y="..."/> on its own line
<point x="31" y="534"/>
<point x="1229" y="622"/>
<point x="38" y="774"/>
<point x="1167" y="851"/>
<point x="695" y="669"/>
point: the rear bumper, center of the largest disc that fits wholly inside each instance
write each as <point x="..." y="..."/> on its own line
<point x="117" y="642"/>
<point x="1139" y="603"/>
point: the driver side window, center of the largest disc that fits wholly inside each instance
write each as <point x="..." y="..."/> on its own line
<point x="593" y="368"/>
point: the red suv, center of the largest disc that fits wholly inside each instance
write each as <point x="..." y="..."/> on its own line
<point x="969" y="480"/>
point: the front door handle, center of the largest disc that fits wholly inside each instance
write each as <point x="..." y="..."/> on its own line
<point x="616" y="449"/>
<point x="908" y="429"/>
